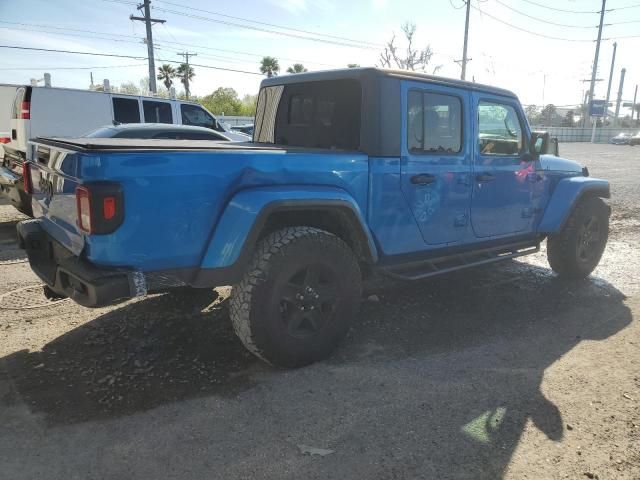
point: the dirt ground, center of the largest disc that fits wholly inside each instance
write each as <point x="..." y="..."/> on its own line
<point x="499" y="372"/>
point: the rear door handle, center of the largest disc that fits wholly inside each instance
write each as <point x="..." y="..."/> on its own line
<point x="423" y="179"/>
<point x="485" y="177"/>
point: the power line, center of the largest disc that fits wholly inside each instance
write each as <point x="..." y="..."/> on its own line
<point x="75" y="68"/>
<point x="272" y="24"/>
<point x="212" y="67"/>
<point x="16" y="47"/>
<point x="528" y="31"/>
<point x="138" y="40"/>
<point x="624" y="8"/>
<point x="353" y="43"/>
<point x="621" y="23"/>
<point x="560" y="9"/>
<point x="543" y="20"/>
<point x="266" y="30"/>
<point x="68" y="29"/>
<point x="64" y="34"/>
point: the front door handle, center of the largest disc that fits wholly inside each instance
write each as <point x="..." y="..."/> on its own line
<point x="485" y="177"/>
<point x="423" y="179"/>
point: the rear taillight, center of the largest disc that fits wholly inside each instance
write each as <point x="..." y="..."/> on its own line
<point x="26" y="177"/>
<point x="83" y="201"/>
<point x="100" y="207"/>
<point x="5" y="140"/>
<point x="25" y="110"/>
<point x="108" y="207"/>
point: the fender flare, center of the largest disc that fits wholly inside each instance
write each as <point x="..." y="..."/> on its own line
<point x="566" y="196"/>
<point x="243" y="219"/>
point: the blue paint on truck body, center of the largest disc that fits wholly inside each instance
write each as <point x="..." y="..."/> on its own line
<point x="197" y="209"/>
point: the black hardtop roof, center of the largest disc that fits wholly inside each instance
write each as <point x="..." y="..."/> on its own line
<point x="370" y="72"/>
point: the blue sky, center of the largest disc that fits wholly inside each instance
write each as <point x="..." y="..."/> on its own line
<point x="536" y="68"/>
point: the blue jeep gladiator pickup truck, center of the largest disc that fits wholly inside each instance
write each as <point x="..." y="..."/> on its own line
<point x="350" y="173"/>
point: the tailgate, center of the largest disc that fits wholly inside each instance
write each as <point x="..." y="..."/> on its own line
<point x="53" y="177"/>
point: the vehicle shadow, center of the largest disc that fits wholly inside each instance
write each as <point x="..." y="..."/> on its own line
<point x="165" y="348"/>
<point x="462" y="359"/>
<point x="483" y="340"/>
<point x="9" y="250"/>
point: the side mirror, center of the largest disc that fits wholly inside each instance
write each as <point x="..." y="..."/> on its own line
<point x="541" y="144"/>
<point x="538" y="146"/>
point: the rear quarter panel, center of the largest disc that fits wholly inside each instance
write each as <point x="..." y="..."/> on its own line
<point x="173" y="200"/>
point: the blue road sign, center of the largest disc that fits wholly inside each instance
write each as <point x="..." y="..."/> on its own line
<point x="597" y="108"/>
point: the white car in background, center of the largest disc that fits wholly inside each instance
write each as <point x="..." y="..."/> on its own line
<point x="66" y="112"/>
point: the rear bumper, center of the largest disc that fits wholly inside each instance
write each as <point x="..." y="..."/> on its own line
<point x="70" y="276"/>
<point x="12" y="186"/>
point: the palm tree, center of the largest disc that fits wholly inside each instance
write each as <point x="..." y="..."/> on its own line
<point x="269" y="66"/>
<point x="297" y="68"/>
<point x="166" y="73"/>
<point x="185" y="73"/>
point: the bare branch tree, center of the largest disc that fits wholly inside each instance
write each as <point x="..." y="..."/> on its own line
<point x="389" y="53"/>
<point x="414" y="60"/>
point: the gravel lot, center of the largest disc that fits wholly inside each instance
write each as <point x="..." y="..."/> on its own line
<point x="499" y="372"/>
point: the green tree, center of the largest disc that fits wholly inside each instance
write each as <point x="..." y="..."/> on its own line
<point x="166" y="73"/>
<point x="128" y="87"/>
<point x="569" y="119"/>
<point x="185" y="73"/>
<point x="223" y="100"/>
<point x="269" y="66"/>
<point x="548" y="113"/>
<point x="249" y="103"/>
<point x="353" y="65"/>
<point x="531" y="111"/>
<point x="297" y="68"/>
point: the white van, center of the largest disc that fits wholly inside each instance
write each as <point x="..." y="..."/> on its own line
<point x="7" y="95"/>
<point x="66" y="112"/>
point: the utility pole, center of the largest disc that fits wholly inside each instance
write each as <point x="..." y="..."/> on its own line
<point x="633" y="107"/>
<point x="613" y="63"/>
<point x="185" y="80"/>
<point x="622" y="74"/>
<point x="595" y="60"/>
<point x="148" y="23"/>
<point x="466" y="38"/>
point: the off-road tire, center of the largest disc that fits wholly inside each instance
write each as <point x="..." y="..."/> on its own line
<point x="563" y="248"/>
<point x="258" y="312"/>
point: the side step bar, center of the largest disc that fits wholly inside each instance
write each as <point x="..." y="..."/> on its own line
<point x="435" y="266"/>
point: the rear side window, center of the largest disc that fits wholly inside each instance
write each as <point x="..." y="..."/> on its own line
<point x="157" y="112"/>
<point x="310" y="114"/>
<point x="194" y="115"/>
<point x="125" y="110"/>
<point x="434" y="123"/>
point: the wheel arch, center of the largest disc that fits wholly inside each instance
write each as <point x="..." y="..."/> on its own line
<point x="567" y="194"/>
<point x="254" y="213"/>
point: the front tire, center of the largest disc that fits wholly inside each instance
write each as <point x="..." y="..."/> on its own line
<point x="576" y="250"/>
<point x="296" y="302"/>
